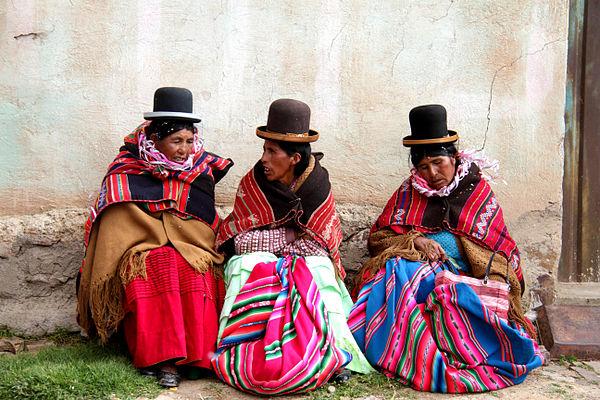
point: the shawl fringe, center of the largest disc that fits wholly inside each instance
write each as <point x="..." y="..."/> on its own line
<point x="385" y="244"/>
<point x="110" y="265"/>
<point x="100" y="308"/>
<point x="105" y="299"/>
<point x="478" y="258"/>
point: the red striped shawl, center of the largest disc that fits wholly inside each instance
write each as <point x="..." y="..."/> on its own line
<point x="263" y="204"/>
<point x="188" y="194"/>
<point x="471" y="210"/>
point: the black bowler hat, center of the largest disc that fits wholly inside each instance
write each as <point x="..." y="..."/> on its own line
<point x="428" y="126"/>
<point x="173" y="103"/>
<point x="288" y="121"/>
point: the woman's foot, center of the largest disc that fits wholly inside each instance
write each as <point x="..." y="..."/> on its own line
<point x="168" y="376"/>
<point x="148" y="371"/>
<point x="342" y="376"/>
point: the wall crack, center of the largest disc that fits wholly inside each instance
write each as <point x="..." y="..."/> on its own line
<point x="496" y="73"/>
<point x="335" y="37"/>
<point x="32" y="35"/>
<point x="397" y="55"/>
<point x="446" y="14"/>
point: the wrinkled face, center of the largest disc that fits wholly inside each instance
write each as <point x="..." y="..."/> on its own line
<point x="438" y="171"/>
<point x="177" y="146"/>
<point x="277" y="164"/>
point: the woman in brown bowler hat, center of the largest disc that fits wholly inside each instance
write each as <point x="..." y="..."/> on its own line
<point x="283" y="326"/>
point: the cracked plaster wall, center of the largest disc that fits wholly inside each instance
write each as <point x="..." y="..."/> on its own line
<point x="76" y="76"/>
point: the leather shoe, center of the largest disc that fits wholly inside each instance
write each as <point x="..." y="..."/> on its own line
<point x="168" y="379"/>
<point x="342" y="377"/>
<point x="149" y="371"/>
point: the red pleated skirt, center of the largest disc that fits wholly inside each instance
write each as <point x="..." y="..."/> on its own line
<point x="174" y="313"/>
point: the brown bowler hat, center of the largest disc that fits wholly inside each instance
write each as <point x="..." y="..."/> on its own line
<point x="288" y="121"/>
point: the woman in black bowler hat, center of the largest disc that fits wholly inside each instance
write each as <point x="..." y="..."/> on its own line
<point x="150" y="268"/>
<point x="439" y="306"/>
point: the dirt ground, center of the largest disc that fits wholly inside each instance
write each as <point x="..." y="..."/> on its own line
<point x="561" y="380"/>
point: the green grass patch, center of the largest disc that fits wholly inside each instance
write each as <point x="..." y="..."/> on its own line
<point x="5" y="332"/>
<point x="60" y="337"/>
<point x="567" y="360"/>
<point x="64" y="338"/>
<point x="565" y="392"/>
<point x="365" y="385"/>
<point x="76" y="371"/>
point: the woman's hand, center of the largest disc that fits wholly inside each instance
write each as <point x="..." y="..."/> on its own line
<point x="430" y="248"/>
<point x="290" y="235"/>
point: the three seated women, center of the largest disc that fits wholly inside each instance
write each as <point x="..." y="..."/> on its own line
<point x="287" y="323"/>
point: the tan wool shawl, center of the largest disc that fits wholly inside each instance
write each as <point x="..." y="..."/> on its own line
<point x="119" y="243"/>
<point x="385" y="244"/>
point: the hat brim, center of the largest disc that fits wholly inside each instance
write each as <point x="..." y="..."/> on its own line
<point x="172" y="115"/>
<point x="409" y="141"/>
<point x="263" y="133"/>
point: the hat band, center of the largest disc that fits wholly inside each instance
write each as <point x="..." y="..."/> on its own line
<point x="409" y="142"/>
<point x="303" y="134"/>
<point x="302" y="137"/>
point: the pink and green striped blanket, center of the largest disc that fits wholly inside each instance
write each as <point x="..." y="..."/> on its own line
<point x="278" y="339"/>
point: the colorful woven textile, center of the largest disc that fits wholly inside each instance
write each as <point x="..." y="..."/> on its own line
<point x="173" y="312"/>
<point x="278" y="339"/>
<point x="274" y="241"/>
<point x="260" y="203"/>
<point x="493" y="294"/>
<point x="471" y="210"/>
<point x="437" y="338"/>
<point x="188" y="194"/>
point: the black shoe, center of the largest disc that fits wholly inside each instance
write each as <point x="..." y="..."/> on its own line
<point x="148" y="371"/>
<point x="168" y="379"/>
<point x="342" y="377"/>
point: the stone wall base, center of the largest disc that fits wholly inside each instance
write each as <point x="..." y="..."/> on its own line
<point x="41" y="254"/>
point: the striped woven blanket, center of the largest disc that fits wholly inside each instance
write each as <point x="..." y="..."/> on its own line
<point x="278" y="339"/>
<point x="437" y="338"/>
<point x="470" y="210"/>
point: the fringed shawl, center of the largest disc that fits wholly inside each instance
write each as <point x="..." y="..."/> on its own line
<point x="141" y="207"/>
<point x="188" y="194"/>
<point x="263" y="204"/>
<point x="116" y="254"/>
<point x="471" y="211"/>
<point x="386" y="243"/>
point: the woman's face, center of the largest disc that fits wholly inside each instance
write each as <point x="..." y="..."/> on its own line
<point x="177" y="147"/>
<point x="278" y="166"/>
<point x="438" y="171"/>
